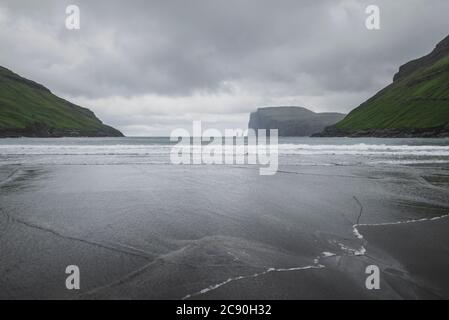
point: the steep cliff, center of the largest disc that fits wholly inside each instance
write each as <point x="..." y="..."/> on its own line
<point x="416" y="104"/>
<point x="292" y="121"/>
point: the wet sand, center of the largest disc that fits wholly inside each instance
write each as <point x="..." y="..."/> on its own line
<point x="413" y="261"/>
<point x="206" y="232"/>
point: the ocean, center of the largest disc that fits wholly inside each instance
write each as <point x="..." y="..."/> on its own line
<point x="156" y="150"/>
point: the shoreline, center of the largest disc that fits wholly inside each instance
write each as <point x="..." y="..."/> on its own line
<point x="393" y="133"/>
<point x="189" y="239"/>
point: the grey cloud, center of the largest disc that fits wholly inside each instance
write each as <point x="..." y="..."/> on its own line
<point x="177" y="48"/>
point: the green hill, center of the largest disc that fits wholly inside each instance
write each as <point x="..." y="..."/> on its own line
<point x="29" y="109"/>
<point x="416" y="104"/>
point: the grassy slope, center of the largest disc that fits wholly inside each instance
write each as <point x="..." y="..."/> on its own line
<point x="420" y="100"/>
<point x="24" y="103"/>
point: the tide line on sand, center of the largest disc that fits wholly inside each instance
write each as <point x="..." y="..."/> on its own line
<point x="218" y="285"/>
<point x="360" y="236"/>
<point x="359" y="252"/>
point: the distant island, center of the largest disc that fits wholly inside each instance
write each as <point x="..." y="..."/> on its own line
<point x="292" y="121"/>
<point x="28" y="109"/>
<point x="416" y="104"/>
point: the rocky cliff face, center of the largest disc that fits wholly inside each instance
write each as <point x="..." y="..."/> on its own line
<point x="292" y="121"/>
<point x="440" y="51"/>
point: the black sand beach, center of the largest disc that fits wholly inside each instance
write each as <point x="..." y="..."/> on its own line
<point x="205" y="232"/>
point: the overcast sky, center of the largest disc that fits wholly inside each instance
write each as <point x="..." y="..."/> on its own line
<point x="147" y="67"/>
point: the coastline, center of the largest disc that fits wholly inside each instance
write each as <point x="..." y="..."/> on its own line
<point x="333" y="131"/>
<point x="47" y="132"/>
